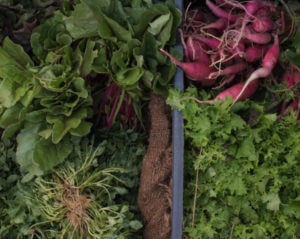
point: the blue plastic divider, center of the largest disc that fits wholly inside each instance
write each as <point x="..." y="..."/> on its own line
<point x="178" y="154"/>
<point x="178" y="151"/>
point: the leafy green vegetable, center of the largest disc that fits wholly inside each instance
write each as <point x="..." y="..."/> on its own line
<point x="54" y="102"/>
<point x="46" y="95"/>
<point x="50" y="36"/>
<point x="248" y="172"/>
<point x="81" y="23"/>
<point x="17" y="212"/>
<point x="106" y="175"/>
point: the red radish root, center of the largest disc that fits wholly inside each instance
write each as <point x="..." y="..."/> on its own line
<point x="294" y="105"/>
<point x="236" y="92"/>
<point x="211" y="42"/>
<point x="220" y="24"/>
<point x="263" y="24"/>
<point x="196" y="71"/>
<point x="269" y="63"/>
<point x="234" y="69"/>
<point x="258" y="38"/>
<point x="254" y="53"/>
<point x="253" y="6"/>
<point x="220" y="12"/>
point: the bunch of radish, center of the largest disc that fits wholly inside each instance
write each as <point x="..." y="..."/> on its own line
<point x="231" y="42"/>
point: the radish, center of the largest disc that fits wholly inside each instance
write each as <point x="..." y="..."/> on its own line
<point x="234" y="69"/>
<point x="263" y="24"/>
<point x="237" y="49"/>
<point x="294" y="105"/>
<point x="211" y="42"/>
<point x="220" y="24"/>
<point x="232" y="92"/>
<point x="269" y="63"/>
<point x="258" y="38"/>
<point x="225" y="82"/>
<point x="263" y="12"/>
<point x="253" y="6"/>
<point x="223" y="3"/>
<point x="196" y="71"/>
<point x="289" y="79"/>
<point x="297" y="77"/>
<point x="195" y="52"/>
<point x="272" y="55"/>
<point x="254" y="53"/>
<point x="220" y="12"/>
<point x="235" y="90"/>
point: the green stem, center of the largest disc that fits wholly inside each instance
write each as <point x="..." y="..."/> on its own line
<point x="119" y="105"/>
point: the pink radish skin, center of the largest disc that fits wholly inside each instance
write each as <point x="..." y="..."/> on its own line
<point x="220" y="12"/>
<point x="293" y="105"/>
<point x="268" y="64"/>
<point x="212" y="43"/>
<point x="220" y="24"/>
<point x="240" y="46"/>
<point x="254" y="53"/>
<point x="262" y="12"/>
<point x="192" y="48"/>
<point x="194" y="51"/>
<point x="239" y="49"/>
<point x="258" y="38"/>
<point x="225" y="4"/>
<point x="297" y="78"/>
<point x="225" y="82"/>
<point x="272" y="55"/>
<point x="235" y="90"/>
<point x="253" y="6"/>
<point x="196" y="71"/>
<point x="263" y="24"/>
<point x="234" y="69"/>
<point x="289" y="79"/>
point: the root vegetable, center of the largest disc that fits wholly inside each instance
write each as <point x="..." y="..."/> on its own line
<point x="254" y="53"/>
<point x="234" y="69"/>
<point x="195" y="51"/>
<point x="220" y="12"/>
<point x="211" y="42"/>
<point x="263" y="12"/>
<point x="258" y="38"/>
<point x="220" y="24"/>
<point x="269" y="63"/>
<point x="236" y="92"/>
<point x="253" y="6"/>
<point x="294" y="105"/>
<point x="225" y="82"/>
<point x="263" y="24"/>
<point x="233" y="92"/>
<point x="289" y="79"/>
<point x="196" y="71"/>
